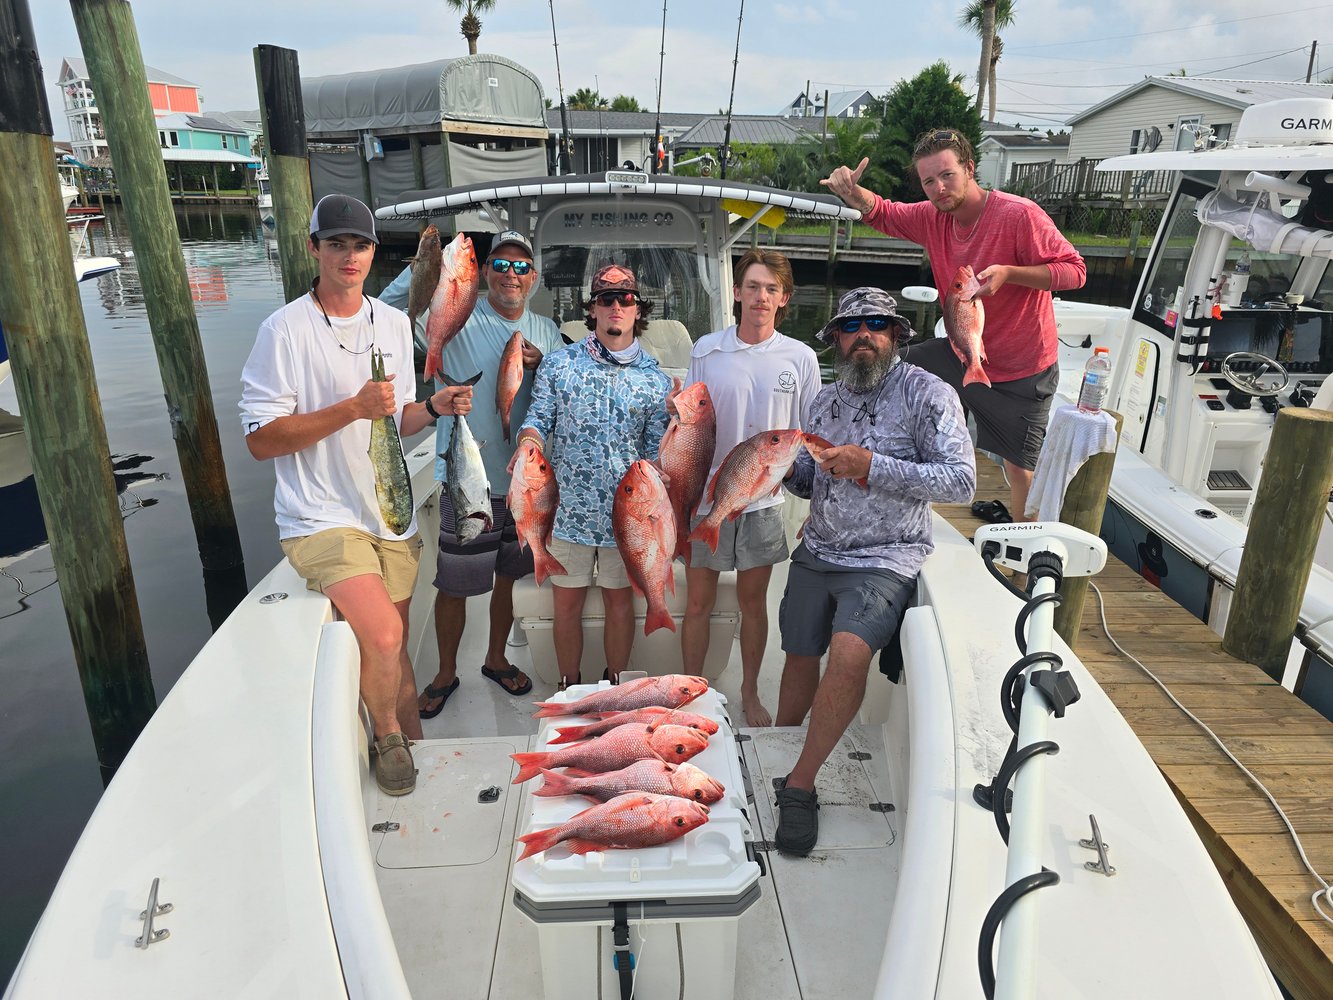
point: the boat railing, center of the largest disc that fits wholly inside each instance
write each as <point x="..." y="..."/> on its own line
<point x="1034" y="689"/>
<point x="370" y="963"/>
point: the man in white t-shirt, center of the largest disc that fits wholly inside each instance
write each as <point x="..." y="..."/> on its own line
<point x="307" y="402"/>
<point x="759" y="380"/>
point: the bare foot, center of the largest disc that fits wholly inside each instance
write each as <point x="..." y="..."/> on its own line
<point x="756" y="715"/>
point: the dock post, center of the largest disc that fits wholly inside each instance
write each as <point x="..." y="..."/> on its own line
<point x="283" y="113"/>
<point x="1083" y="507"/>
<point x="1279" y="547"/>
<point x="115" y="63"/>
<point x="62" y="411"/>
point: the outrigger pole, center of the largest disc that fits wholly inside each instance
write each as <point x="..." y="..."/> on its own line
<point x="731" y="99"/>
<point x="657" y="123"/>
<point x="566" y="144"/>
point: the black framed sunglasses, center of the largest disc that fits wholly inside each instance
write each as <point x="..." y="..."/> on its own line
<point x="607" y="299"/>
<point x="876" y="324"/>
<point x="502" y="266"/>
<point x="938" y="136"/>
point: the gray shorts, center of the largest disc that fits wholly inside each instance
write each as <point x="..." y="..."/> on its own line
<point x="468" y="570"/>
<point x="1011" y="416"/>
<point x="756" y="538"/>
<point x="822" y="599"/>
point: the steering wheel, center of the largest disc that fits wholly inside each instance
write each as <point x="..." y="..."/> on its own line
<point x="1268" y="379"/>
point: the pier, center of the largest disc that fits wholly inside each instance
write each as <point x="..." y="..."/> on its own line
<point x="1282" y="740"/>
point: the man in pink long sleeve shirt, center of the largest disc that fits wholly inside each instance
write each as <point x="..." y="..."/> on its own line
<point x="1018" y="256"/>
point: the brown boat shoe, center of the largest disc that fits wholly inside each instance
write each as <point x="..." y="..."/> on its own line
<point x="394" y="770"/>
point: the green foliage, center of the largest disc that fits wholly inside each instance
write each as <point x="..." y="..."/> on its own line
<point x="971" y="16"/>
<point x="934" y="98"/>
<point x="584" y="99"/>
<point x="470" y="26"/>
<point x="623" y="102"/>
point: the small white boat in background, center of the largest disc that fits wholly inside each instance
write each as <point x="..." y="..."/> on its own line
<point x="243" y="847"/>
<point x="264" y="198"/>
<point x="86" y="265"/>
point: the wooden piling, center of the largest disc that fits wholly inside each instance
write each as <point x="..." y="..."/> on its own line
<point x="1083" y="507"/>
<point x="56" y="386"/>
<point x="1279" y="546"/>
<point x="110" y="45"/>
<point x="283" y="112"/>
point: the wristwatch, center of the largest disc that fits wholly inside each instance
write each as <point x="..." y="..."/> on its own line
<point x="431" y="409"/>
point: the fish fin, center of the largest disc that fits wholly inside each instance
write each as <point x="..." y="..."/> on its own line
<point x="658" y="618"/>
<point x="529" y="765"/>
<point x="577" y="845"/>
<point x="538" y="841"/>
<point x="554" y="783"/>
<point x="578" y="772"/>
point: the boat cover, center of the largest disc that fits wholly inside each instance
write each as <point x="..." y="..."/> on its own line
<point x="1260" y="225"/>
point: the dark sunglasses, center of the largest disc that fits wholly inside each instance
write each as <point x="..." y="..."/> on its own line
<point x="876" y="324"/>
<point x="607" y="299"/>
<point x="939" y="135"/>
<point x="521" y="267"/>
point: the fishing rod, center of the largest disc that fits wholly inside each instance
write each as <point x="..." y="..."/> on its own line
<point x="731" y="99"/>
<point x="566" y="144"/>
<point x="657" y="124"/>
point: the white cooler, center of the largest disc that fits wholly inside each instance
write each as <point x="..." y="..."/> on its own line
<point x="656" y="654"/>
<point x="682" y="901"/>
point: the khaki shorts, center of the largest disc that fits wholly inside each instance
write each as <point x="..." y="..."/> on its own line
<point x="337" y="554"/>
<point x="579" y="560"/>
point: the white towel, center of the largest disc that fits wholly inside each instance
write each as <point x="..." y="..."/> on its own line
<point x="1072" y="438"/>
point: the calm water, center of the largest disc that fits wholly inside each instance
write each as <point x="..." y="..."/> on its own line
<point x="52" y="780"/>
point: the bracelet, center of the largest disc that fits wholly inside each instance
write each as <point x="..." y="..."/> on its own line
<point x="431" y="409"/>
<point x="536" y="441"/>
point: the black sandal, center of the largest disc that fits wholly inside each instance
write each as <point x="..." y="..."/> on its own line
<point x="509" y="673"/>
<point x="992" y="511"/>
<point x="441" y="693"/>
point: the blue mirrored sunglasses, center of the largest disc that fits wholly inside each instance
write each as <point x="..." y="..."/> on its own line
<point x="521" y="267"/>
<point x="877" y="324"/>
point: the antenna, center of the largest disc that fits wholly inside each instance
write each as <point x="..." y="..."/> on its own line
<point x="731" y="100"/>
<point x="657" y="124"/>
<point x="566" y="144"/>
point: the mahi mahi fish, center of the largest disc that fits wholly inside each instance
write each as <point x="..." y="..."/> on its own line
<point x="425" y="273"/>
<point x="393" y="486"/>
<point x="635" y="819"/>
<point x="469" y="489"/>
<point x="964" y="320"/>
<point x="453" y="300"/>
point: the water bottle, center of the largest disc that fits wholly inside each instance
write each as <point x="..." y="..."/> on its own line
<point x="1096" y="380"/>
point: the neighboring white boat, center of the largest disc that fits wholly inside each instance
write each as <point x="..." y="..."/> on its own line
<point x="68" y="194"/>
<point x="86" y="265"/>
<point x="1237" y="234"/>
<point x="249" y="808"/>
<point x="264" y="198"/>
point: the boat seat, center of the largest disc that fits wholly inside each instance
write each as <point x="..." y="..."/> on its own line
<point x="657" y="654"/>
<point x="667" y="340"/>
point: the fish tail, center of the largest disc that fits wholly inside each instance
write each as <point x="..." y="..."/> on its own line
<point x="529" y="765"/>
<point x="975" y="373"/>
<point x="432" y="365"/>
<point x="549" y="709"/>
<point x="538" y="841"/>
<point x="658" y="617"/>
<point x="707" y="532"/>
<point x="571" y="734"/>
<point x="544" y="564"/>
<point x="554" y="783"/>
<point x="444" y="377"/>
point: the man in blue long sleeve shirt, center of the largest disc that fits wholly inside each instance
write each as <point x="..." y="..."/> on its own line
<point x="900" y="442"/>
<point x="597" y="407"/>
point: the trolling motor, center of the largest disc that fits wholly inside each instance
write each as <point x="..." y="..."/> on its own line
<point x="1034" y="689"/>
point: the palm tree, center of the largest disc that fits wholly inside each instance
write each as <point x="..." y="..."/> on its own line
<point x="584" y="99"/>
<point x="471" y="24"/>
<point x="986" y="17"/>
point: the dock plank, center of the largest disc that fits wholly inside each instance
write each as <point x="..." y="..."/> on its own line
<point x="1287" y="745"/>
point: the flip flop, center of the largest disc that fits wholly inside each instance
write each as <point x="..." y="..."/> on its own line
<point x="992" y="511"/>
<point x="508" y="674"/>
<point x="441" y="693"/>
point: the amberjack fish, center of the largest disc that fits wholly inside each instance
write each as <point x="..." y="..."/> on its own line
<point x="393" y="486"/>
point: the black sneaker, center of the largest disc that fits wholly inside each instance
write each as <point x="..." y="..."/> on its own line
<point x="798" y="821"/>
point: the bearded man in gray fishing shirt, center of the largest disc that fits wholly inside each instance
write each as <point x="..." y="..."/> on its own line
<point x="900" y="443"/>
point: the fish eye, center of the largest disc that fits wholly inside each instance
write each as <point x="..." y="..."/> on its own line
<point x="680" y="748"/>
<point x="698" y="794"/>
<point x="679" y="821"/>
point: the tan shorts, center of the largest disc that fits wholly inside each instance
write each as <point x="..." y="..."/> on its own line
<point x="579" y="560"/>
<point x="337" y="554"/>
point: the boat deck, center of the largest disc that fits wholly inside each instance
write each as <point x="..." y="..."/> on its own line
<point x="1287" y="744"/>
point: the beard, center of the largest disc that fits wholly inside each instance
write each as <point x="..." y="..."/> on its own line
<point x="862" y="374"/>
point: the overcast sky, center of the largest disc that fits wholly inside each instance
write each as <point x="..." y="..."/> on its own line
<point x="1060" y="55"/>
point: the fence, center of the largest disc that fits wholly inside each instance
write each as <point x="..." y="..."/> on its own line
<point x="1051" y="181"/>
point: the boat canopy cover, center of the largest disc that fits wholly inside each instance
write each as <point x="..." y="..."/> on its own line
<point x="480" y="88"/>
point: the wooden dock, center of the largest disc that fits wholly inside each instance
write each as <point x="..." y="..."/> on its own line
<point x="1287" y="744"/>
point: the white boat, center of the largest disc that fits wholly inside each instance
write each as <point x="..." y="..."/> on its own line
<point x="86" y="265"/>
<point x="1194" y="440"/>
<point x="249" y="808"/>
<point x="68" y="194"/>
<point x="264" y="198"/>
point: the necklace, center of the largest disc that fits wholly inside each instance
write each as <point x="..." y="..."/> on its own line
<point x="957" y="230"/>
<point x="865" y="409"/>
<point x="314" y="294"/>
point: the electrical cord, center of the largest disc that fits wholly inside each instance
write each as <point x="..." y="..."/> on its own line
<point x="1326" y="893"/>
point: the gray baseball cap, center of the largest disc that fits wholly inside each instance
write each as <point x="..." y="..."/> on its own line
<point x="336" y="214"/>
<point x="512" y="236"/>
<point x="865" y="302"/>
